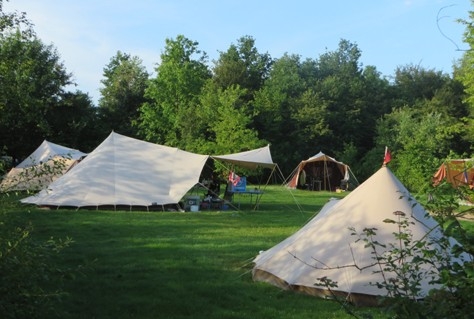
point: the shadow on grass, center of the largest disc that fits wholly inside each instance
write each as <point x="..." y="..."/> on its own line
<point x="177" y="265"/>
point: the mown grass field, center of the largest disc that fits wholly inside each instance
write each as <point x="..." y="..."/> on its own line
<point x="180" y="265"/>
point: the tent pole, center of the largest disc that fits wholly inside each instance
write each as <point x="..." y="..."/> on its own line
<point x="326" y="178"/>
<point x="351" y="173"/>
<point x="257" y="201"/>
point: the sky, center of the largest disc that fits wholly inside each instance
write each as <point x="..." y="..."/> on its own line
<point x="389" y="33"/>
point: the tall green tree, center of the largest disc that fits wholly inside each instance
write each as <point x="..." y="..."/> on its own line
<point x="341" y="105"/>
<point x="74" y="122"/>
<point x="330" y="104"/>
<point x="169" y="116"/>
<point x="125" y="81"/>
<point x="414" y="83"/>
<point x="340" y="87"/>
<point x="32" y="81"/>
<point x="242" y="65"/>
<point x="228" y="124"/>
<point x="417" y="140"/>
<point x="426" y="125"/>
<point x="15" y="21"/>
<point x="276" y="102"/>
<point x="464" y="72"/>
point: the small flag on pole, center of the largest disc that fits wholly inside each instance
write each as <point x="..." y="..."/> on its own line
<point x="388" y="157"/>
<point x="234" y="178"/>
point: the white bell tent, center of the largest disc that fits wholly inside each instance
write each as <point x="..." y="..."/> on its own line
<point x="324" y="247"/>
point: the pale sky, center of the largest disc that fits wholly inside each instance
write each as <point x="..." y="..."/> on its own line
<point x="389" y="33"/>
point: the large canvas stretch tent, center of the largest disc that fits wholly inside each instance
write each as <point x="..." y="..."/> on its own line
<point x="48" y="162"/>
<point x="125" y="171"/>
<point x="457" y="172"/>
<point x="320" y="172"/>
<point x="324" y="247"/>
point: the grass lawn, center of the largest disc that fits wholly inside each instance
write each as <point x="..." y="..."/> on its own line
<point x="180" y="265"/>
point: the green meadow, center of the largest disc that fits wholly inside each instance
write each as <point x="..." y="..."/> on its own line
<point x="178" y="264"/>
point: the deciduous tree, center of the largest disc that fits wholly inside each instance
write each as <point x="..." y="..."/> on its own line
<point x="275" y="105"/>
<point x="242" y="65"/>
<point x="169" y="117"/>
<point x="228" y="128"/>
<point x="125" y="80"/>
<point x="32" y="80"/>
<point x="74" y="122"/>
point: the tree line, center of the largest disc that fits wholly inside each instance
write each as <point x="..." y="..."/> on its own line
<point x="242" y="100"/>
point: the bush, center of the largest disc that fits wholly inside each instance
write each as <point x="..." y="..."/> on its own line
<point x="405" y="263"/>
<point x="30" y="282"/>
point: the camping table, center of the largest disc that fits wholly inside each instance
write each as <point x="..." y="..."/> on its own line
<point x="256" y="192"/>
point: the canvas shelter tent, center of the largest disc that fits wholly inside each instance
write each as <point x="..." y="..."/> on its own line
<point x="457" y="172"/>
<point x="253" y="159"/>
<point x="124" y="171"/>
<point x="320" y="172"/>
<point x="324" y="247"/>
<point x="48" y="162"/>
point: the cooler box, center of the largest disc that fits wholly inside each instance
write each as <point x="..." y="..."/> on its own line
<point x="192" y="202"/>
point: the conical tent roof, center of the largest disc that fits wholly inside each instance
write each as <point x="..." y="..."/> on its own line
<point x="324" y="247"/>
<point x="47" y="151"/>
<point x="125" y="171"/>
<point x="47" y="163"/>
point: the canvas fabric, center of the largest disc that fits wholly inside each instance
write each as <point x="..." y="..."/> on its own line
<point x="324" y="247"/>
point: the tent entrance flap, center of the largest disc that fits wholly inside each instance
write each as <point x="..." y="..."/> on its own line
<point x="321" y="172"/>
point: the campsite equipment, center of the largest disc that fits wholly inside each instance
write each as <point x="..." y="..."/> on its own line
<point x="192" y="203"/>
<point x="260" y="158"/>
<point x="325" y="247"/>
